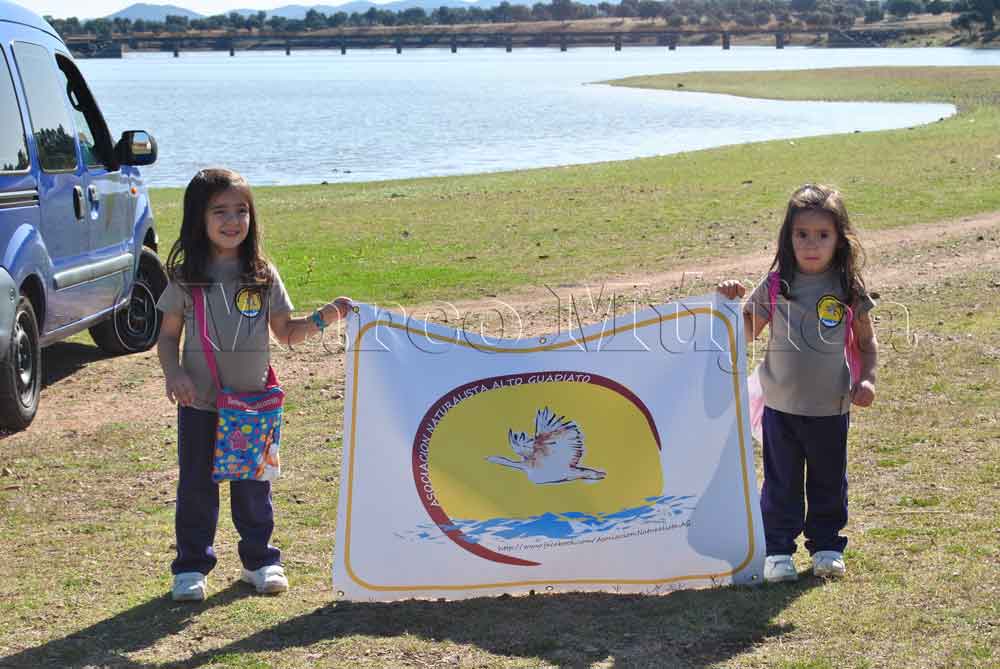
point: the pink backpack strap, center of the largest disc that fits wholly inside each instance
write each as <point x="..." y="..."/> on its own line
<point x="851" y="347"/>
<point x="201" y="320"/>
<point x="773" y="286"/>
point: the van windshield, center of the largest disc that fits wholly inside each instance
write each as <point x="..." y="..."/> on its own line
<point x="91" y="131"/>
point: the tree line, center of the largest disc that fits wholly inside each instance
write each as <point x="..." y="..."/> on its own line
<point x="676" y="13"/>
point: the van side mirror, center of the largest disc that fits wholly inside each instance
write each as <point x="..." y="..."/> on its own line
<point x="136" y="147"/>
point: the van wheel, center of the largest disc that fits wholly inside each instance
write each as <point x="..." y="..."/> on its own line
<point x="21" y="370"/>
<point x="136" y="326"/>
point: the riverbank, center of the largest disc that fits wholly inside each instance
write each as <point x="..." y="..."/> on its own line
<point x="87" y="496"/>
<point x="422" y="239"/>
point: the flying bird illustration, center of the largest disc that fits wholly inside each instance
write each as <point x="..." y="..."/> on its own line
<point x="551" y="456"/>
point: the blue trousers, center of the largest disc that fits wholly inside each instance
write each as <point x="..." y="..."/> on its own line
<point x="198" y="502"/>
<point x="805" y="462"/>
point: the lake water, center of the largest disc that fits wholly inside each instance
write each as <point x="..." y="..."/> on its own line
<point x="319" y="116"/>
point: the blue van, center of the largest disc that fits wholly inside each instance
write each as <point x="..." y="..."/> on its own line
<point x="77" y="244"/>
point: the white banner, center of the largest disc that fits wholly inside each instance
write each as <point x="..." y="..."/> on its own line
<point x="615" y="458"/>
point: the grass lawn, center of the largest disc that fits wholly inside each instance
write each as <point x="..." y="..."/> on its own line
<point x="86" y="501"/>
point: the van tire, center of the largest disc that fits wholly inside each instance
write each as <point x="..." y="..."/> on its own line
<point x="135" y="327"/>
<point x="21" y="370"/>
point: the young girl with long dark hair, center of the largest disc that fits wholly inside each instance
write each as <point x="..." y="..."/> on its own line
<point x="815" y="301"/>
<point x="219" y="250"/>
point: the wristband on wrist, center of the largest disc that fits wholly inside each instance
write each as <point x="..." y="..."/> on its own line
<point x="317" y="319"/>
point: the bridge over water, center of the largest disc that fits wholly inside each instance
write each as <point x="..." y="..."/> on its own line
<point x="85" y="46"/>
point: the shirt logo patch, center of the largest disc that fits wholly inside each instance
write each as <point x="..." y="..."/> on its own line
<point x="249" y="302"/>
<point x="830" y="311"/>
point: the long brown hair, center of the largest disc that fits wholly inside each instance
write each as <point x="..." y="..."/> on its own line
<point x="192" y="252"/>
<point x="849" y="256"/>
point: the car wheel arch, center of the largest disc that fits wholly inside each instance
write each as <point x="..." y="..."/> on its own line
<point x="31" y="286"/>
<point x="150" y="240"/>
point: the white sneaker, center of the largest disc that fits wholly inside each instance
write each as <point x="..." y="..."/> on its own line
<point x="778" y="568"/>
<point x="189" y="586"/>
<point x="829" y="564"/>
<point x="268" y="580"/>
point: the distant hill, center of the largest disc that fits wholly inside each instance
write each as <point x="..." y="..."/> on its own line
<point x="148" y="12"/>
<point x="361" y="6"/>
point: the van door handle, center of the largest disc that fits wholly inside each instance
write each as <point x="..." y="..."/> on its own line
<point x="78" y="202"/>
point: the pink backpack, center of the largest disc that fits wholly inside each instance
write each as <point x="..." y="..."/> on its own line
<point x="755" y="391"/>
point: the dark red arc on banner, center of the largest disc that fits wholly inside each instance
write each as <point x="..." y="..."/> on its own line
<point x="438" y="514"/>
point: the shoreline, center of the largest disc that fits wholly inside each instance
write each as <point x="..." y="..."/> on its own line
<point x="423" y="239"/>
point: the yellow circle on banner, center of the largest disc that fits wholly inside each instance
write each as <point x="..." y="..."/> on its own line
<point x="618" y="441"/>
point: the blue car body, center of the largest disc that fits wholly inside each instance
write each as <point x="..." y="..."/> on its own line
<point x="74" y="216"/>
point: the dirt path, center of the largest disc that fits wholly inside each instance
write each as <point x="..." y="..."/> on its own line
<point x="85" y="391"/>
<point x="889" y="254"/>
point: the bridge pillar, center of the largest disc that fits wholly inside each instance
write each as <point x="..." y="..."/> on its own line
<point x="725" y="41"/>
<point x="779" y="40"/>
<point x="618" y="42"/>
<point x="563" y="43"/>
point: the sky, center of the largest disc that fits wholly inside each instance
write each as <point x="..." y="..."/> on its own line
<point x="61" y="9"/>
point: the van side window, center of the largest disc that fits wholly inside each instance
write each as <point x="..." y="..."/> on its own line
<point x="91" y="130"/>
<point x="50" y="120"/>
<point x="13" y="144"/>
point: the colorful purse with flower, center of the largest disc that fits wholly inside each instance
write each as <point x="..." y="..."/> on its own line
<point x="249" y="427"/>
